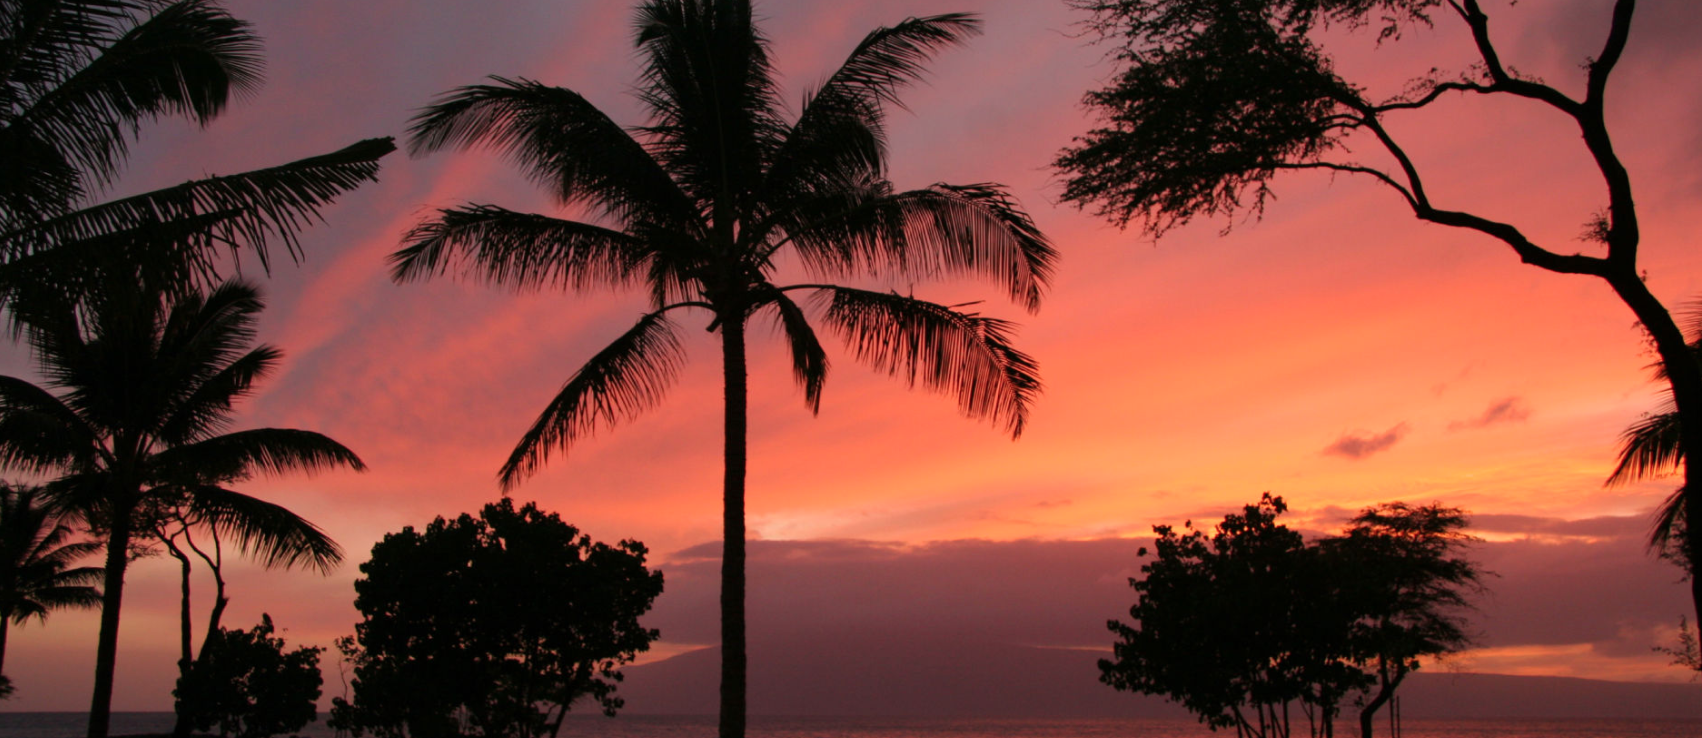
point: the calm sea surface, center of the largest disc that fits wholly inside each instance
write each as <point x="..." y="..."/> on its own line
<point x="71" y="725"/>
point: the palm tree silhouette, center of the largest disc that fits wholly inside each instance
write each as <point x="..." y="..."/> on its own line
<point x="278" y="537"/>
<point x="145" y="387"/>
<point x="1652" y="447"/>
<point x="35" y="556"/>
<point x="77" y="80"/>
<point x="700" y="204"/>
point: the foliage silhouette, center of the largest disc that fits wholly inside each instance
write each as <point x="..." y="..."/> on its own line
<point x="36" y="554"/>
<point x="701" y="204"/>
<point x="1653" y="447"/>
<point x="175" y="526"/>
<point x="1215" y="97"/>
<point x="248" y="686"/>
<point x="1253" y="618"/>
<point x="471" y="624"/>
<point x="77" y="80"/>
<point x="1405" y="582"/>
<point x="145" y="388"/>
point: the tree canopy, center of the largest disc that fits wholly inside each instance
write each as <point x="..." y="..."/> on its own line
<point x="1239" y="624"/>
<point x="471" y="624"/>
<point x="248" y="686"/>
<point x="1214" y="98"/>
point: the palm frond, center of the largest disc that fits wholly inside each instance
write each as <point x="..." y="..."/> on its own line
<point x="171" y="253"/>
<point x="708" y="85"/>
<point x="185" y="58"/>
<point x="959" y="354"/>
<point x="809" y="361"/>
<point x="252" y="208"/>
<point x="891" y="58"/>
<point x="1649" y="448"/>
<point x="626" y="378"/>
<point x="562" y="141"/>
<point x="517" y="250"/>
<point x="1669" y="524"/>
<point x="207" y="408"/>
<point x="39" y="432"/>
<point x="259" y="450"/>
<point x="944" y="229"/>
<point x="70" y="597"/>
<point x="270" y="533"/>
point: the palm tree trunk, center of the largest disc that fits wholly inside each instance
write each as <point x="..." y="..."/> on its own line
<point x="106" y="650"/>
<point x="1685" y="373"/>
<point x="5" y="622"/>
<point x="733" y="663"/>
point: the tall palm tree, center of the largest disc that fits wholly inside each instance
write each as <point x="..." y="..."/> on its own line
<point x="699" y="206"/>
<point x="36" y="554"/>
<point x="138" y="394"/>
<point x="77" y="80"/>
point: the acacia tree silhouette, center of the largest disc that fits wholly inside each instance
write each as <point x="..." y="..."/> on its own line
<point x="1216" y="97"/>
<point x="701" y="202"/>
<point x="145" y="387"/>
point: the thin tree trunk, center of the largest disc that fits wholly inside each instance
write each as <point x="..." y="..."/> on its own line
<point x="186" y="654"/>
<point x="733" y="658"/>
<point x="1685" y="374"/>
<point x="5" y="622"/>
<point x="106" y="650"/>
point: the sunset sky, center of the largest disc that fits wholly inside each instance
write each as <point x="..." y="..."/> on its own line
<point x="1337" y="352"/>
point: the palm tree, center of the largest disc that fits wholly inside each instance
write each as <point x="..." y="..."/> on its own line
<point x="1652" y="447"/>
<point x="77" y="79"/>
<point x="278" y="537"/>
<point x="701" y="204"/>
<point x="34" y="558"/>
<point x="138" y="395"/>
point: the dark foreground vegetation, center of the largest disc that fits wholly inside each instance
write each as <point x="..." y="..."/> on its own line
<point x="497" y="625"/>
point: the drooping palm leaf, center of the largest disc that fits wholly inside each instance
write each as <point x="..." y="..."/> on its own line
<point x="517" y="250"/>
<point x="235" y="455"/>
<point x="624" y="379"/>
<point x="964" y="355"/>
<point x="254" y="208"/>
<point x="809" y="360"/>
<point x="1649" y="447"/>
<point x="562" y="141"/>
<point x="268" y="532"/>
<point x="944" y="229"/>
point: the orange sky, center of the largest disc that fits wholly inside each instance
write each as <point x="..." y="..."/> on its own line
<point x="1182" y="378"/>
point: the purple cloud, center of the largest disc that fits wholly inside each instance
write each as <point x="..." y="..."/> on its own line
<point x="1509" y="410"/>
<point x="1362" y="444"/>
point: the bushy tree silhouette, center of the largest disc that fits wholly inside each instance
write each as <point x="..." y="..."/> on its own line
<point x="1239" y="624"/>
<point x="472" y="624"/>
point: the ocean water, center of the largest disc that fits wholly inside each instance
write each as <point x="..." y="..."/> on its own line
<point x="71" y="725"/>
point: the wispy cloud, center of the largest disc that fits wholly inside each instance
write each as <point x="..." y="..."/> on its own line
<point x="1508" y="410"/>
<point x="1361" y="444"/>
